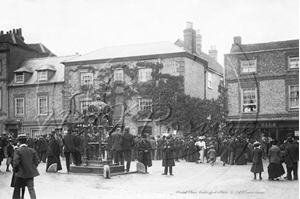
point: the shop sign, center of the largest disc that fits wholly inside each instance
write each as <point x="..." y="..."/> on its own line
<point x="268" y="124"/>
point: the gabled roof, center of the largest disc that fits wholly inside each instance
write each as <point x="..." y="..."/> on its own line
<point x="40" y="48"/>
<point x="212" y="63"/>
<point x="126" y="51"/>
<point x="36" y="64"/>
<point x="242" y="48"/>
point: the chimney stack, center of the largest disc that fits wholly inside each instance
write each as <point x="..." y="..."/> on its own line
<point x="189" y="36"/>
<point x="198" y="41"/>
<point x="237" y="40"/>
<point x="213" y="53"/>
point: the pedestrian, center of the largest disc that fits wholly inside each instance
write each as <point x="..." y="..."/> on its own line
<point x="127" y="143"/>
<point x="291" y="158"/>
<point x="160" y="142"/>
<point x="153" y="146"/>
<point x="212" y="154"/>
<point x="10" y="153"/>
<point x="275" y="168"/>
<point x="240" y="151"/>
<point x="144" y="151"/>
<point x="231" y="150"/>
<point x="257" y="165"/>
<point x="25" y="164"/>
<point x="116" y="147"/>
<point x="69" y="147"/>
<point x="13" y="179"/>
<point x="224" y="152"/>
<point x="201" y="146"/>
<point x="53" y="152"/>
<point x="43" y="148"/>
<point x="168" y="155"/>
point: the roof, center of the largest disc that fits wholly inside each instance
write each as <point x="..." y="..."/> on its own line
<point x="39" y="47"/>
<point x="212" y="63"/>
<point x="264" y="46"/>
<point x="53" y="63"/>
<point x="14" y="40"/>
<point x="130" y="51"/>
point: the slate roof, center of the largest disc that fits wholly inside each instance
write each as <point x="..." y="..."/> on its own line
<point x="130" y="51"/>
<point x="53" y="63"/>
<point x="41" y="49"/>
<point x="264" y="46"/>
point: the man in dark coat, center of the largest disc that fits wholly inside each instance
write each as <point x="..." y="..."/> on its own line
<point x="53" y="152"/>
<point x="291" y="158"/>
<point x="43" y="148"/>
<point x="69" y="147"/>
<point x="144" y="150"/>
<point x="127" y="143"/>
<point x="168" y="155"/>
<point x="116" y="147"/>
<point x="25" y="164"/>
<point x="160" y="142"/>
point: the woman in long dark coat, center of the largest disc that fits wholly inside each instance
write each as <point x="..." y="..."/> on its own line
<point x="275" y="168"/>
<point x="144" y="152"/>
<point x="257" y="165"/>
<point x="168" y="155"/>
<point x="53" y="152"/>
<point x="241" y="150"/>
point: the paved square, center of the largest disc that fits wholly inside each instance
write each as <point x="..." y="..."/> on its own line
<point x="190" y="180"/>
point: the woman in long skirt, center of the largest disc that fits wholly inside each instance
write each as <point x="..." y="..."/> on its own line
<point x="144" y="150"/>
<point x="257" y="165"/>
<point x="275" y="168"/>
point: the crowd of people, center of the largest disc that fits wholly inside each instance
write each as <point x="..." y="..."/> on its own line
<point x="121" y="147"/>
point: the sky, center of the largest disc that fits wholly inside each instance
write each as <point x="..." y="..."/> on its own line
<point x="67" y="27"/>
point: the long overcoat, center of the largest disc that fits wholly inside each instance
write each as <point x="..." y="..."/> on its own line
<point x="144" y="150"/>
<point x="168" y="154"/>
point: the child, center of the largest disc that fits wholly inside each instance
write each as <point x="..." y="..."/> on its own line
<point x="212" y="155"/>
<point x="257" y="165"/>
<point x="10" y="153"/>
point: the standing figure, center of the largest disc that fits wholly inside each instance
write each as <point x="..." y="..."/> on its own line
<point x="168" y="155"/>
<point x="116" y="147"/>
<point x="53" y="152"/>
<point x="275" y="168"/>
<point x="127" y="143"/>
<point x="212" y="155"/>
<point x="10" y="153"/>
<point x="224" y="152"/>
<point x="160" y="142"/>
<point x="241" y="146"/>
<point x="69" y="147"/>
<point x="231" y="150"/>
<point x="153" y="147"/>
<point x="291" y="158"/>
<point x="201" y="145"/>
<point x="43" y="148"/>
<point x="257" y="165"/>
<point x="144" y="151"/>
<point x="25" y="166"/>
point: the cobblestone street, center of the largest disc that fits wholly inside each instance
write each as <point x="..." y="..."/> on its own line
<point x="190" y="180"/>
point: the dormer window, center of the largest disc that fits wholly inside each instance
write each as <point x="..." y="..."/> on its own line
<point x="42" y="75"/>
<point x="19" y="78"/>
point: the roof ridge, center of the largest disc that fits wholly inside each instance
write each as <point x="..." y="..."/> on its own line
<point x="271" y="42"/>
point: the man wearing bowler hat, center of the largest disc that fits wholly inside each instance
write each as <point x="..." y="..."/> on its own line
<point x="25" y="164"/>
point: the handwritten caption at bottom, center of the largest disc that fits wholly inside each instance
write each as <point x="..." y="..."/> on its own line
<point x="209" y="192"/>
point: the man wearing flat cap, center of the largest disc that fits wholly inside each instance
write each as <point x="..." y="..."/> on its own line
<point x="25" y="164"/>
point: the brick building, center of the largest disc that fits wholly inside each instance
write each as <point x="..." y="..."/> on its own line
<point x="13" y="50"/>
<point x="263" y="87"/>
<point x="84" y="72"/>
<point x="36" y="96"/>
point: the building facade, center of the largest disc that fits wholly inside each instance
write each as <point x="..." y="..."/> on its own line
<point x="263" y="88"/>
<point x="124" y="67"/>
<point x="36" y="96"/>
<point x="13" y="51"/>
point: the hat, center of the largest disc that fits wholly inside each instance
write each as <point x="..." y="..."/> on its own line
<point x="201" y="138"/>
<point x="22" y="136"/>
<point x="290" y="139"/>
<point x="256" y="144"/>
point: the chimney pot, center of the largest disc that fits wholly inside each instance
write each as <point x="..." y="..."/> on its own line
<point x="237" y="40"/>
<point x="189" y="25"/>
<point x="213" y="52"/>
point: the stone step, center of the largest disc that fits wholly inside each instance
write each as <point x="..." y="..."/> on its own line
<point x="97" y="169"/>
